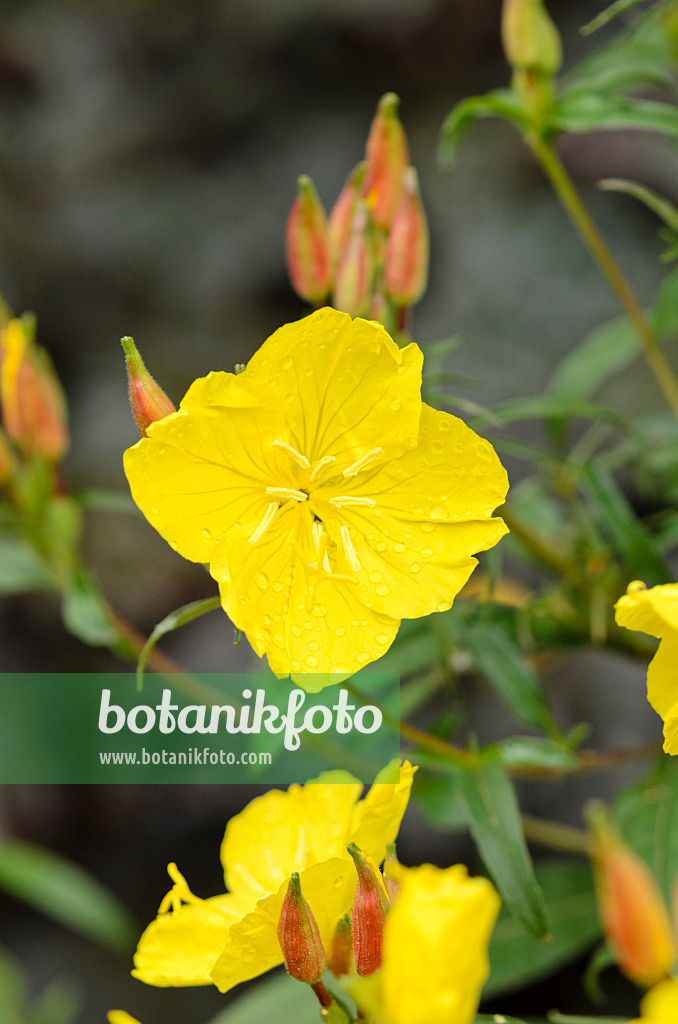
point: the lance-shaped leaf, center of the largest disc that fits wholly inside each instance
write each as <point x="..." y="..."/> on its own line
<point x="180" y="617"/>
<point x="581" y="112"/>
<point x="502" y="103"/>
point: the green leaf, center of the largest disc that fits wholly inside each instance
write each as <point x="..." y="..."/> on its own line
<point x="277" y="998"/>
<point x="85" y="612"/>
<point x="180" y="617"/>
<point x="12" y="991"/>
<point x="608" y="349"/>
<point x="58" y="1004"/>
<point x="21" y="568"/>
<point x="647" y="813"/>
<point x="494" y="820"/>
<point x="617" y="520"/>
<point x="664" y="313"/>
<point x="550" y="405"/>
<point x="581" y="112"/>
<point x="616" y="8"/>
<point x="534" y="752"/>
<point x="101" y="500"/>
<point x="502" y="103"/>
<point x="65" y="892"/>
<point x="438" y="797"/>
<point x="517" y="958"/>
<point x="664" y="209"/>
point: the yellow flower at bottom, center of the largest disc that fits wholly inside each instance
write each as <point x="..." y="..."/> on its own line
<point x="120" y="1017"/>
<point x="328" y="500"/>
<point x="660" y="1005"/>
<point x="231" y="938"/>
<point x="435" y="957"/>
<point x="655" y="611"/>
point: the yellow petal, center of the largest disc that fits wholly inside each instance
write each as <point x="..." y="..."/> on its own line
<point x="206" y="467"/>
<point x="435" y="946"/>
<point x="653" y="611"/>
<point x="660" y="1005"/>
<point x="282" y="832"/>
<point x="252" y="946"/>
<point x="380" y="813"/>
<point x="180" y="947"/>
<point x="432" y="511"/>
<point x="347" y="386"/>
<point x="662" y="676"/>
<point x="311" y="627"/>
<point x="120" y="1017"/>
<point x="671" y="730"/>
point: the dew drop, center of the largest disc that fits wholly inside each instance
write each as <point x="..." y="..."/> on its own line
<point x="396" y="403"/>
<point x="437" y="446"/>
<point x="266" y="620"/>
<point x="383" y="590"/>
<point x="296" y="666"/>
<point x="442" y="606"/>
<point x="313" y="645"/>
<point x="286" y="362"/>
<point x="438" y="512"/>
<point x="173" y="544"/>
<point x="399" y="548"/>
<point x="340" y="631"/>
<point x="276" y="586"/>
<point x="308" y="625"/>
<point x="444" y="425"/>
<point x="261" y="580"/>
<point x="415" y="567"/>
<point x="382" y="545"/>
<point x="383" y="639"/>
<point x="428" y="527"/>
<point x="207" y="534"/>
<point x="311" y="660"/>
<point x="376" y="577"/>
<point x="154" y="512"/>
<point x="427" y="552"/>
<point x="295" y="631"/>
<point x="362" y="658"/>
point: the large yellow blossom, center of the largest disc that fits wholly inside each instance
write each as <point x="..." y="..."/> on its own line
<point x="329" y="501"/>
<point x="655" y="611"/>
<point x="435" y="958"/>
<point x="233" y="937"/>
<point x="660" y="1005"/>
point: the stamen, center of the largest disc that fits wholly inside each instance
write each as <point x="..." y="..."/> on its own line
<point x="317" y="529"/>
<point x="346" y="499"/>
<point x="179" y="893"/>
<point x="349" y="550"/>
<point x="320" y="464"/>
<point x="293" y="453"/>
<point x="285" y="493"/>
<point x="326" y="565"/>
<point x="265" y="523"/>
<point x="363" y="462"/>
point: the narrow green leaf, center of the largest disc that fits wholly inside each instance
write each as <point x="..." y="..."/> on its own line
<point x="12" y="991"/>
<point x="65" y="892"/>
<point x="663" y="208"/>
<point x="616" y="8"/>
<point x="581" y="112"/>
<point x="550" y="405"/>
<point x="608" y="349"/>
<point x="664" y="313"/>
<point x="277" y="998"/>
<point x="534" y="752"/>
<point x="517" y="958"/>
<point x="21" y="569"/>
<point x="180" y="617"/>
<point x="617" y="520"/>
<point x="438" y="797"/>
<point x="85" y="612"/>
<point x="102" y="500"/>
<point x="494" y="820"/>
<point x="502" y="103"/>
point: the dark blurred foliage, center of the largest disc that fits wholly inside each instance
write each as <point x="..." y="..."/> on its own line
<point x="149" y="151"/>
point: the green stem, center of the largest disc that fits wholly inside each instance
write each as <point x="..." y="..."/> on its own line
<point x="555" y="835"/>
<point x="539" y="546"/>
<point x="580" y="217"/>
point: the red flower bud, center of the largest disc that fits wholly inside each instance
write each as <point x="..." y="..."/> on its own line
<point x="341" y="948"/>
<point x="369" y="913"/>
<point x="632" y="911"/>
<point x="308" y="253"/>
<point x="299" y="936"/>
<point x="149" y="402"/>
<point x="387" y="156"/>
<point x="341" y="217"/>
<point x="33" y="403"/>
<point x="406" y="264"/>
<point x="355" y="274"/>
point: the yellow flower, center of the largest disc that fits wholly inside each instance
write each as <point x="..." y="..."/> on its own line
<point x="435" y="948"/>
<point x="329" y="501"/>
<point x="233" y="937"/>
<point x="660" y="1005"/>
<point x="655" y="611"/>
<point x="120" y="1017"/>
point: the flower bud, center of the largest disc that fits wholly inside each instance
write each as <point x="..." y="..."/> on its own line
<point x="369" y="913"/>
<point x="391" y="872"/>
<point x="355" y="273"/>
<point x="149" y="402"/>
<point x="387" y="157"/>
<point x="308" y="253"/>
<point x="341" y="217"/>
<point x="531" y="40"/>
<point x="632" y="912"/>
<point x="299" y="936"/>
<point x="33" y="403"/>
<point x="6" y="459"/>
<point x="406" y="263"/>
<point x="341" y="948"/>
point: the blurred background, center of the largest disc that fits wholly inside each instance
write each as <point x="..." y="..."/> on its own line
<point x="149" y="151"/>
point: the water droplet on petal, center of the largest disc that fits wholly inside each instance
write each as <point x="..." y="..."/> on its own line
<point x="261" y="580"/>
<point x="383" y="639"/>
<point x="207" y="534"/>
<point x="395" y="404"/>
<point x="428" y="527"/>
<point x="442" y="606"/>
<point x="295" y="631"/>
<point x="376" y="577"/>
<point x="313" y="645"/>
<point x="415" y="567"/>
<point x="383" y="590"/>
<point x="438" y="512"/>
<point x="399" y="548"/>
<point x="311" y="660"/>
<point x="362" y="658"/>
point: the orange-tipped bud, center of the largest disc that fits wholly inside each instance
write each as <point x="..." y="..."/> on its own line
<point x="149" y="402"/>
<point x="369" y="913"/>
<point x="406" y="263"/>
<point x="355" y="273"/>
<point x="391" y="872"/>
<point x="632" y="912"/>
<point x="33" y="403"/>
<point x="531" y="40"/>
<point x="387" y="157"/>
<point x="299" y="936"/>
<point x="6" y="459"/>
<point x="341" y="217"/>
<point x="341" y="948"/>
<point x="308" y="251"/>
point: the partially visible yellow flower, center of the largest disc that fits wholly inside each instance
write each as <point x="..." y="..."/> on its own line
<point x="655" y="611"/>
<point x="233" y="937"/>
<point x="660" y="1005"/>
<point x="120" y="1017"/>
<point x="328" y="499"/>
<point x="435" y="957"/>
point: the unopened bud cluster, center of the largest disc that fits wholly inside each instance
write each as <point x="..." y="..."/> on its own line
<point x="370" y="256"/>
<point x="32" y="404"/>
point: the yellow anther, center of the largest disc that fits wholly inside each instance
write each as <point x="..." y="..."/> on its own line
<point x="319" y="465"/>
<point x="286" y="493"/>
<point x="349" y="550"/>
<point x="363" y="462"/>
<point x="347" y="499"/>
<point x="293" y="453"/>
<point x="265" y="523"/>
